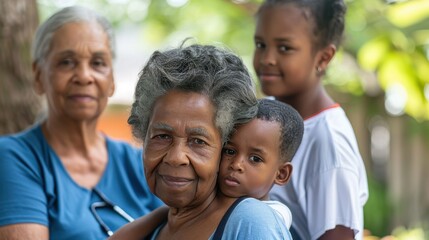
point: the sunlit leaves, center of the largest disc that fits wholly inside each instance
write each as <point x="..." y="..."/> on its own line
<point x="397" y="52"/>
<point x="387" y="40"/>
<point x="373" y="52"/>
<point x="396" y="74"/>
<point x="408" y="13"/>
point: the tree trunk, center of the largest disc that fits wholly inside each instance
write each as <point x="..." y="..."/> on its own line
<point x="19" y="104"/>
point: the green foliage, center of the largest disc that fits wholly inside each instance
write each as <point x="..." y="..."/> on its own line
<point x="391" y="40"/>
<point x="396" y="48"/>
<point x="207" y="21"/>
<point x="377" y="209"/>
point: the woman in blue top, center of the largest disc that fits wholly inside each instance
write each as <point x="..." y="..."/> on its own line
<point x="62" y="179"/>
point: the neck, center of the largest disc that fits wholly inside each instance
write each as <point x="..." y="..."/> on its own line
<point x="63" y="134"/>
<point x="310" y="102"/>
<point x="179" y="216"/>
<point x="80" y="148"/>
<point x="202" y="219"/>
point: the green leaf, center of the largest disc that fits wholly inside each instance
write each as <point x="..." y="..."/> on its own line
<point x="373" y="52"/>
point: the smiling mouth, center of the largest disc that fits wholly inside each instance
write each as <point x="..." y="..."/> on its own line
<point x="175" y="181"/>
<point x="81" y="97"/>
<point x="269" y="77"/>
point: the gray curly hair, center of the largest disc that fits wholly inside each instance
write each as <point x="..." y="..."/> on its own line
<point x="44" y="34"/>
<point x="213" y="71"/>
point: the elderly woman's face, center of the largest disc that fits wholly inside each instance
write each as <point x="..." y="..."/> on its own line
<point x="182" y="149"/>
<point x="77" y="75"/>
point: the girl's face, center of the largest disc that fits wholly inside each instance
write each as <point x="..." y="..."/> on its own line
<point x="182" y="149"/>
<point x="251" y="160"/>
<point x="284" y="59"/>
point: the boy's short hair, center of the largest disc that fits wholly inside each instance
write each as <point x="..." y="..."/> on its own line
<point x="290" y="122"/>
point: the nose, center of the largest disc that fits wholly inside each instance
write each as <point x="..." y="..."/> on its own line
<point x="237" y="164"/>
<point x="83" y="74"/>
<point x="177" y="155"/>
<point x="268" y="58"/>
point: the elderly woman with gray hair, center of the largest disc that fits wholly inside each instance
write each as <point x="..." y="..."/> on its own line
<point x="187" y="101"/>
<point x="61" y="178"/>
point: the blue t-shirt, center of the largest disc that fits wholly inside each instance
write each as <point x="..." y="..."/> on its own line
<point x="36" y="188"/>
<point x="251" y="220"/>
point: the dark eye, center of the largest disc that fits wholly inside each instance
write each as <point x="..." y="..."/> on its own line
<point x="284" y="48"/>
<point x="198" y="141"/>
<point x="67" y="63"/>
<point x="259" y="44"/>
<point x="228" y="151"/>
<point x="162" y="137"/>
<point x="98" y="62"/>
<point x="255" y="159"/>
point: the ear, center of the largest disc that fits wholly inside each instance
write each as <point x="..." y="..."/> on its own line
<point x="38" y="85"/>
<point x="283" y="173"/>
<point x="324" y="56"/>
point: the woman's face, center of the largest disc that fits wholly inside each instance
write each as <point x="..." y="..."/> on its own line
<point x="77" y="76"/>
<point x="182" y="149"/>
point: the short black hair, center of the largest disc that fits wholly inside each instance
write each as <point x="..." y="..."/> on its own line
<point x="290" y="122"/>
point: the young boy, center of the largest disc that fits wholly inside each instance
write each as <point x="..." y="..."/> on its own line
<point x="258" y="154"/>
<point x="256" y="157"/>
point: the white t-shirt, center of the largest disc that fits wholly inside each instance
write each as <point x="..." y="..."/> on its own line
<point x="282" y="210"/>
<point x="329" y="185"/>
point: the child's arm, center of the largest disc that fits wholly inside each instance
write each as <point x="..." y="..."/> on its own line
<point x="142" y="226"/>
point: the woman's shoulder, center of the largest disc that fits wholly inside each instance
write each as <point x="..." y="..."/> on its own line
<point x="28" y="140"/>
<point x="23" y="156"/>
<point x="121" y="147"/>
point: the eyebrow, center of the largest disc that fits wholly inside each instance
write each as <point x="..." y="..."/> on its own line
<point x="198" y="131"/>
<point x="279" y="39"/>
<point x="73" y="53"/>
<point x="66" y="53"/>
<point x="191" y="131"/>
<point x="100" y="54"/>
<point x="162" y="126"/>
<point x="258" y="150"/>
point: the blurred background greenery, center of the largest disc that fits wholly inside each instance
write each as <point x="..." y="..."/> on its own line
<point x="380" y="76"/>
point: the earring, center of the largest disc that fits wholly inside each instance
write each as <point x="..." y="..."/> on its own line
<point x="319" y="69"/>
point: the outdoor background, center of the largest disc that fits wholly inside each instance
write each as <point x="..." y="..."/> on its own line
<point x="380" y="76"/>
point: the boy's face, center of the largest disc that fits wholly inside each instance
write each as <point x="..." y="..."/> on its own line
<point x="284" y="60"/>
<point x="251" y="160"/>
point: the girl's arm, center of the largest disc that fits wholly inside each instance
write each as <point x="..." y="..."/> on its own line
<point x="142" y="226"/>
<point x="339" y="232"/>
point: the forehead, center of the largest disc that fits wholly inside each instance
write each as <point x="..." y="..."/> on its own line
<point x="259" y="132"/>
<point x="259" y="136"/>
<point x="285" y="18"/>
<point x="80" y="36"/>
<point x="183" y="110"/>
<point x="259" y="125"/>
